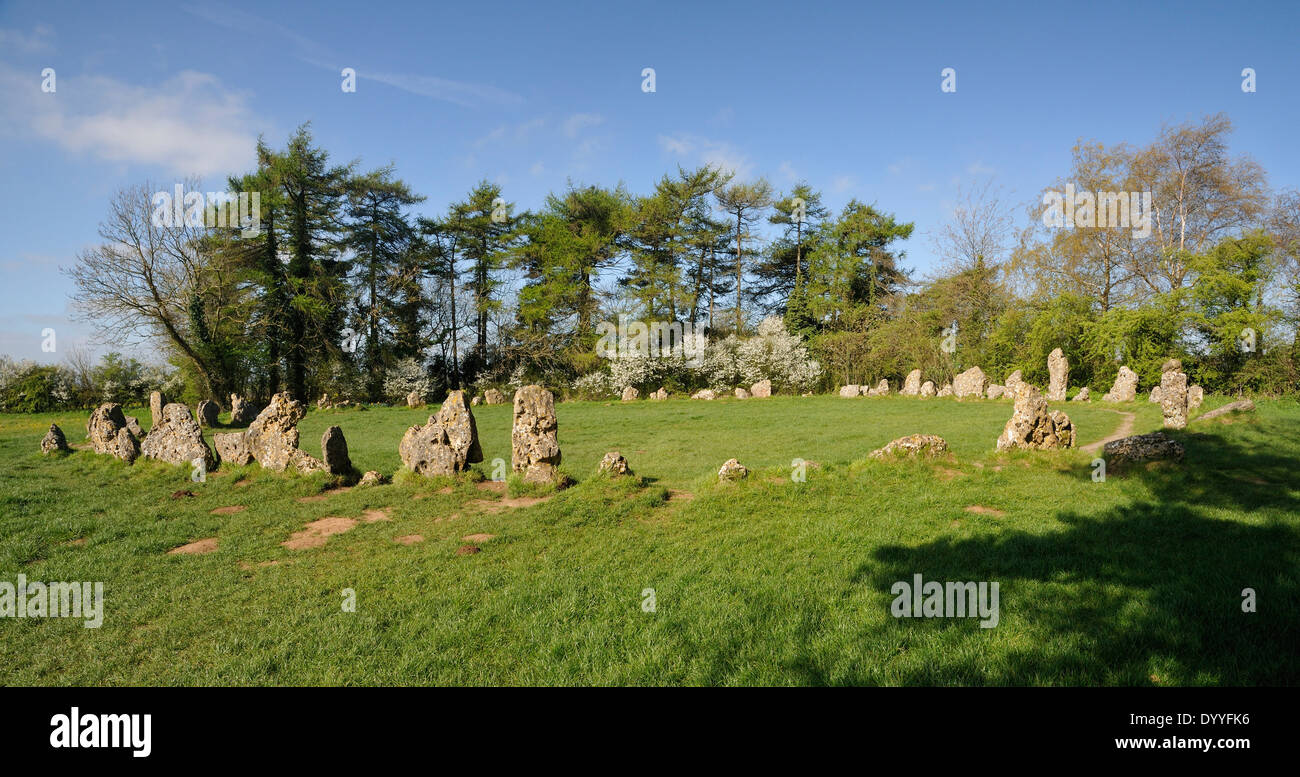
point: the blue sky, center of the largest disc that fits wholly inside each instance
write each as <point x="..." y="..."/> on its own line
<point x="844" y="95"/>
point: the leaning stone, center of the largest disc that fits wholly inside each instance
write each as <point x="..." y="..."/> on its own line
<point x="761" y="389"/>
<point x="1195" y="396"/>
<point x="927" y="389"/>
<point x="334" y="452"/>
<point x="1240" y="406"/>
<point x="733" y="470"/>
<point x="913" y="445"/>
<point x="447" y="444"/>
<point x="630" y="394"/>
<point x="1125" y="387"/>
<point x="1032" y="426"/>
<point x="614" y="464"/>
<point x="911" y="384"/>
<point x="1058" y="370"/>
<point x="1082" y="396"/>
<point x="493" y="397"/>
<point x="54" y="440"/>
<point x="534" y="439"/>
<point x="178" y="439"/>
<point x="232" y="448"/>
<point x="208" y="412"/>
<point x="107" y="432"/>
<point x="742" y="394"/>
<point x="970" y="383"/>
<point x="851" y="390"/>
<point x="1142" y="447"/>
<point x="1173" y="398"/>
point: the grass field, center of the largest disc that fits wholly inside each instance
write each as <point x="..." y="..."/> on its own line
<point x="1135" y="580"/>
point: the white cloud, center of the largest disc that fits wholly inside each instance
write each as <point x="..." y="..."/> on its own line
<point x="842" y="183"/>
<point x="461" y="93"/>
<point x="717" y="153"/>
<point x="787" y="172"/>
<point x="574" y="124"/>
<point x="189" y="124"/>
<point x="18" y="42"/>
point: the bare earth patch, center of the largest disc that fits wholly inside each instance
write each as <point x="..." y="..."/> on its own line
<point x="370" y="516"/>
<point x="498" y="486"/>
<point x="945" y="473"/>
<point x="198" y="547"/>
<point x="467" y="550"/>
<point x="478" y="537"/>
<point x="314" y="534"/>
<point x="508" y="503"/>
<point x="982" y="510"/>
<point x="680" y="496"/>
<point x="244" y="565"/>
<point x="242" y="483"/>
<point x="231" y="510"/>
<point x="322" y="496"/>
<point x="183" y="494"/>
<point x="409" y="539"/>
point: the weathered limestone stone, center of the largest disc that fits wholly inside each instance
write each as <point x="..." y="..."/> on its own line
<point x="1013" y="382"/>
<point x="1125" y="387"/>
<point x="1032" y="426"/>
<point x="1240" y="406"/>
<point x="133" y="426"/>
<point x="704" y="394"/>
<point x="534" y="441"/>
<point x="630" y="394"/>
<point x="1142" y="447"/>
<point x="232" y="448"/>
<point x="1058" y="370"/>
<point x="156" y="404"/>
<point x="334" y="452"/>
<point x="851" y="390"/>
<point x="733" y="470"/>
<point x="273" y="435"/>
<point x="742" y="394"/>
<point x="324" y="402"/>
<point x="882" y="388"/>
<point x="476" y="401"/>
<point x="241" y="412"/>
<point x="1082" y="396"/>
<point x="1171" y="365"/>
<point x="970" y="383"/>
<point x="178" y="439"/>
<point x="994" y="391"/>
<point x="614" y="464"/>
<point x="414" y="399"/>
<point x="662" y="393"/>
<point x="54" y="440"/>
<point x="107" y="432"/>
<point x="1195" y="396"/>
<point x="447" y="444"/>
<point x="927" y="389"/>
<point x="1173" y="398"/>
<point x="493" y="397"/>
<point x="208" y="412"/>
<point x="946" y="391"/>
<point x="913" y="445"/>
<point x="911" y="384"/>
<point x="1155" y="395"/>
<point x="761" y="389"/>
<point x="371" y="478"/>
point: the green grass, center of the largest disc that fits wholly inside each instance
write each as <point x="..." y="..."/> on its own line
<point x="1136" y="580"/>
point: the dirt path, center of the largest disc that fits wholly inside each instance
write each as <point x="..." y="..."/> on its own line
<point x="1124" y="429"/>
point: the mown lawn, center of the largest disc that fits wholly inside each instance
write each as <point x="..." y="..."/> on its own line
<point x="1135" y="580"/>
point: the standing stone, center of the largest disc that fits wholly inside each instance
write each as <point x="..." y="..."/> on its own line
<point x="534" y="440"/>
<point x="476" y="401"/>
<point x="742" y="394"/>
<point x="107" y="432"/>
<point x="1058" y="370"/>
<point x="882" y="388"/>
<point x="994" y="391"/>
<point x="630" y="394"/>
<point x="54" y="440"/>
<point x="662" y="393"/>
<point x="273" y="435"/>
<point x="334" y="452"/>
<point x="1154" y="398"/>
<point x="1082" y="396"/>
<point x="704" y="394"/>
<point x="851" y="390"/>
<point x="414" y="399"/>
<point x="493" y="397"/>
<point x="1173" y="398"/>
<point x="1125" y="387"/>
<point x="614" y="464"/>
<point x="913" y="445"/>
<point x="927" y="389"/>
<point x="1032" y="426"/>
<point x="208" y="412"/>
<point x="447" y="444"/>
<point x="156" y="404"/>
<point x="178" y="439"/>
<point x="241" y="412"/>
<point x="761" y="389"/>
<point x="232" y="448"/>
<point x="912" y="384"/>
<point x="133" y="426"/>
<point x="1195" y="396"/>
<point x="970" y="383"/>
<point x="1013" y="382"/>
<point x="946" y="391"/>
<point x="733" y="470"/>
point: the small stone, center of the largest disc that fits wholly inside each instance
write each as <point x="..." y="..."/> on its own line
<point x="851" y="390"/>
<point x="156" y="404"/>
<point x="994" y="391"/>
<point x="414" y="399"/>
<point x="232" y="448"/>
<point x="614" y="464"/>
<point x="761" y="389"/>
<point x="1142" y="447"/>
<point x="661" y="394"/>
<point x="372" y="478"/>
<point x="742" y="394"/>
<point x="241" y="412"/>
<point x="733" y="470"/>
<point x="493" y="397"/>
<point x="1082" y="396"/>
<point x="1195" y="396"/>
<point x="705" y="394"/>
<point x="946" y="391"/>
<point x="133" y="426"/>
<point x="107" y="432"/>
<point x="476" y="401"/>
<point x="927" y="389"/>
<point x="1033" y="426"/>
<point x="54" y="440"/>
<point x="630" y="394"/>
<point x="913" y="445"/>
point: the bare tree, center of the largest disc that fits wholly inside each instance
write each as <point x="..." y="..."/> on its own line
<point x="980" y="229"/>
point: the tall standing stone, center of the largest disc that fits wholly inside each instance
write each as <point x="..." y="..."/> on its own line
<point x="912" y="384"/>
<point x="1058" y="370"/>
<point x="1173" y="398"/>
<point x="334" y="452"/>
<point x="273" y="435"/>
<point x="1195" y="396"/>
<point x="1125" y="387"/>
<point x="534" y="440"/>
<point x="107" y="432"/>
<point x="178" y="439"/>
<point x="1033" y="426"/>
<point x="241" y="412"/>
<point x="447" y="444"/>
<point x="208" y="412"/>
<point x="156" y="404"/>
